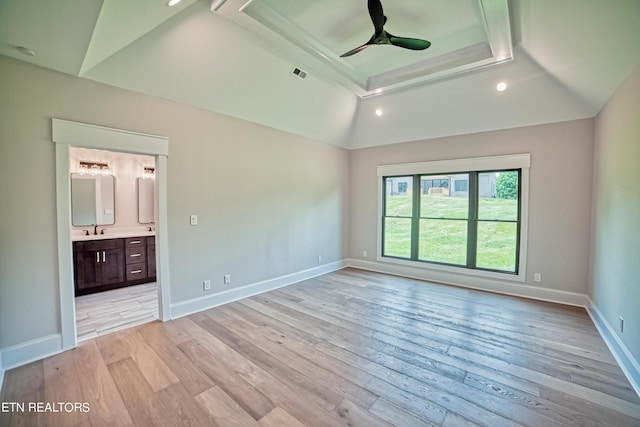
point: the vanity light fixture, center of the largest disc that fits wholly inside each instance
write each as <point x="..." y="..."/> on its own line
<point x="94" y="168"/>
<point x="148" y="173"/>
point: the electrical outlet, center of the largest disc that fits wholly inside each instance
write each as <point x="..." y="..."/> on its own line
<point x="621" y="324"/>
<point x="537" y="277"/>
<point x="364" y="254"/>
<point x="206" y="285"/>
<point x="227" y="279"/>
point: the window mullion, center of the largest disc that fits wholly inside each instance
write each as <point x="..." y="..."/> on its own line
<point x="472" y="223"/>
<point x="415" y="218"/>
<point x="519" y="218"/>
<point x="384" y="217"/>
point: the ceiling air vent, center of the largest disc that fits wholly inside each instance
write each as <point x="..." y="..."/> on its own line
<point x="298" y="72"/>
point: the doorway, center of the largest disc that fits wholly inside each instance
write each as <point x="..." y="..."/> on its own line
<point x="66" y="134"/>
<point x="113" y="205"/>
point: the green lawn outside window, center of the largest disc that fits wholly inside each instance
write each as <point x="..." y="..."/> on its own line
<point x="477" y="229"/>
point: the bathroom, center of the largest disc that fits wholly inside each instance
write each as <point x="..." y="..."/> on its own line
<point x="113" y="236"/>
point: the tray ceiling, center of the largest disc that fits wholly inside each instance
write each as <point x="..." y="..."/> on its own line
<point x="465" y="35"/>
<point x="561" y="60"/>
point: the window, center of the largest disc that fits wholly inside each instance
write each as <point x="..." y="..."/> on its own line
<point x="476" y="226"/>
<point x="498" y="218"/>
<point x="462" y="185"/>
<point x="397" y="222"/>
<point x="442" y="226"/>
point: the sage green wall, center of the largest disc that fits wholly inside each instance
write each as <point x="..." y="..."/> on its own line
<point x="559" y="202"/>
<point x="614" y="284"/>
<point x="268" y="202"/>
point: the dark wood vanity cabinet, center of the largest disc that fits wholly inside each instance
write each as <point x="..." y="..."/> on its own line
<point x="136" y="260"/>
<point x="151" y="257"/>
<point x="98" y="265"/>
<point x="101" y="265"/>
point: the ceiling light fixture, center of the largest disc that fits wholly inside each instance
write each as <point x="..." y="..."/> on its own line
<point x="379" y="112"/>
<point x="172" y="3"/>
<point x="501" y="87"/>
<point x="217" y="4"/>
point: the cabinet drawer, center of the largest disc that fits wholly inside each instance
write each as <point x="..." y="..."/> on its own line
<point x="136" y="271"/>
<point x="136" y="255"/>
<point x="98" y="245"/>
<point x="133" y="242"/>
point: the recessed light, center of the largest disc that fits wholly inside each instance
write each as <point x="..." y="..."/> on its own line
<point x="501" y="87"/>
<point x="379" y="112"/>
<point x="172" y="3"/>
<point x="26" y="51"/>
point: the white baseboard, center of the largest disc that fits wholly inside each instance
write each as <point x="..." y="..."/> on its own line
<point x="195" y="305"/>
<point x="40" y="348"/>
<point x="30" y="351"/>
<point x="474" y="282"/>
<point x="621" y="353"/>
<point x="21" y="354"/>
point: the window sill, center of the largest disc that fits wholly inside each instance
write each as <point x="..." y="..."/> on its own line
<point x="510" y="277"/>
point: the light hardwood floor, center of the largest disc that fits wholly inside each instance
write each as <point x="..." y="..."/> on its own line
<point x="351" y="348"/>
<point x="106" y="312"/>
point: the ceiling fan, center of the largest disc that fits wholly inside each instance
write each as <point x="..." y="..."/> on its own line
<point x="380" y="36"/>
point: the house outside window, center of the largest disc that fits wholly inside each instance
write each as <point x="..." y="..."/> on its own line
<point x="460" y="185"/>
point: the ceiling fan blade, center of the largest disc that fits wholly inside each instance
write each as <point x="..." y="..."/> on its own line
<point x="377" y="16"/>
<point x="354" y="51"/>
<point x="409" y="43"/>
<point x="380" y="36"/>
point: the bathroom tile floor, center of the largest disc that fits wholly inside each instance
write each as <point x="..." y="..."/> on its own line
<point x="105" y="312"/>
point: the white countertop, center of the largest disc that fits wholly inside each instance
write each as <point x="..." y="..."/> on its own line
<point x="110" y="233"/>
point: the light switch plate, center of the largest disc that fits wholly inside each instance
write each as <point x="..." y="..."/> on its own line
<point x="194" y="219"/>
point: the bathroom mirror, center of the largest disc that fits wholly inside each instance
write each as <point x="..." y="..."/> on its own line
<point x="92" y="199"/>
<point x="146" y="200"/>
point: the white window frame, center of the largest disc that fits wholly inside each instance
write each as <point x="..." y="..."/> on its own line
<point x="515" y="161"/>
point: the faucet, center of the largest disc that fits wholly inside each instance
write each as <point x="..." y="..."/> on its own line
<point x="95" y="229"/>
